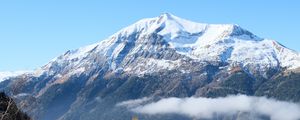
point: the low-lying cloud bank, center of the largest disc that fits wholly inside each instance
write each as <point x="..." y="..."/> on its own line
<point x="208" y="107"/>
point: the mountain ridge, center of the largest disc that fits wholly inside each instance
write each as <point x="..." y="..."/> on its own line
<point x="189" y="39"/>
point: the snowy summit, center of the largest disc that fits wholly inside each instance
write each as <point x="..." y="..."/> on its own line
<point x="154" y="44"/>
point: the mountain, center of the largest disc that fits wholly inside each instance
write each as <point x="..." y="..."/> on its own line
<point x="159" y="57"/>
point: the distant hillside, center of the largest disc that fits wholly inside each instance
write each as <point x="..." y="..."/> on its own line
<point x="9" y="109"/>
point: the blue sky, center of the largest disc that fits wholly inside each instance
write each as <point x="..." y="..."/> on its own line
<point x="32" y="32"/>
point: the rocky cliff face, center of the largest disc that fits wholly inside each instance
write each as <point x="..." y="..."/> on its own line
<point x="157" y="57"/>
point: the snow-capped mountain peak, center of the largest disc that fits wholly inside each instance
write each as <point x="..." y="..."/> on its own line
<point x="148" y="42"/>
<point x="181" y="31"/>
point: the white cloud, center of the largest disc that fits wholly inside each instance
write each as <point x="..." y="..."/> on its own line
<point x="207" y="107"/>
<point x="134" y="103"/>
